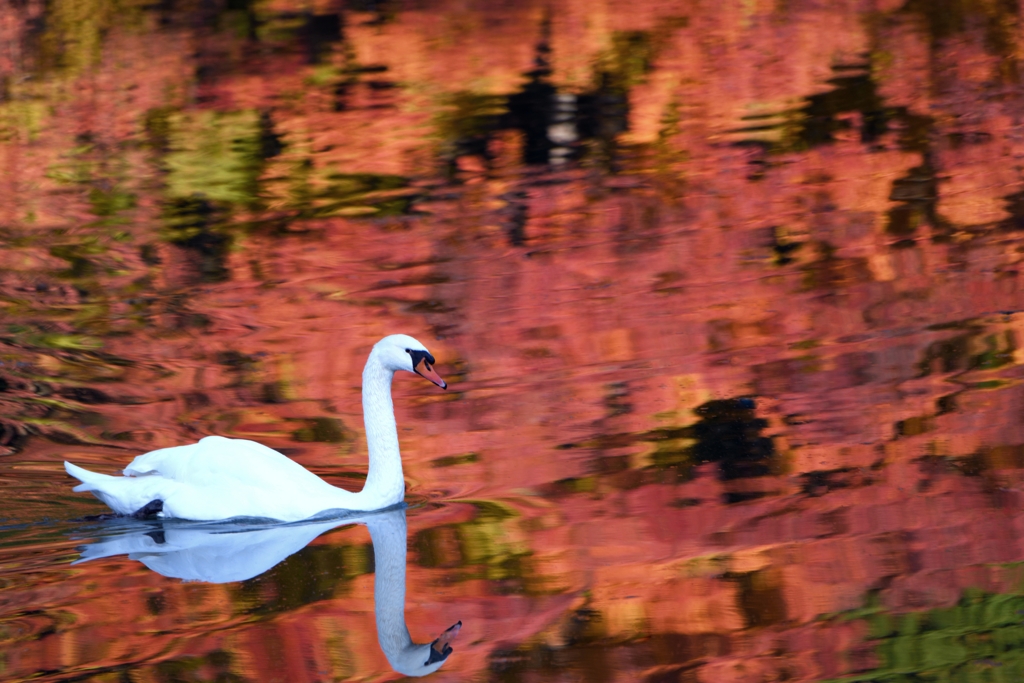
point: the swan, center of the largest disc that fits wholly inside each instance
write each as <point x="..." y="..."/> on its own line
<point x="220" y="478"/>
<point x="231" y="551"/>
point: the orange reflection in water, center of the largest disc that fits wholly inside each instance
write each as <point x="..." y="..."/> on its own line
<point x="728" y="298"/>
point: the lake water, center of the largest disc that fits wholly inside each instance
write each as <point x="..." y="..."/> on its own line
<point x="729" y="297"/>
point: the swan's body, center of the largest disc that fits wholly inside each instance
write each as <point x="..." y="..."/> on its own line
<point x="219" y="478"/>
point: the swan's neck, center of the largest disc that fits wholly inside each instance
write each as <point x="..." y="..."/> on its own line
<point x="385" y="483"/>
<point x="388" y="533"/>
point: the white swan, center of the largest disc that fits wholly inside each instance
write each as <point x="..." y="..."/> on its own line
<point x="219" y="478"/>
<point x="226" y="552"/>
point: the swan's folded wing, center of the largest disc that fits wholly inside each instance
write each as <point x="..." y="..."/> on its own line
<point x="216" y="458"/>
<point x="161" y="462"/>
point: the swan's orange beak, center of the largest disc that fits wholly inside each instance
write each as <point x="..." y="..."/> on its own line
<point x="423" y="369"/>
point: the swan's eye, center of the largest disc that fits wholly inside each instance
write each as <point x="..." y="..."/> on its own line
<point x="420" y="356"/>
<point x="409" y="351"/>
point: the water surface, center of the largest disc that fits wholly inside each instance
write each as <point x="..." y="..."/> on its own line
<point x="728" y="297"/>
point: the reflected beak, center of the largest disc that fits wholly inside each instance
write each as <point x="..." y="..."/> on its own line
<point x="441" y="647"/>
<point x="424" y="370"/>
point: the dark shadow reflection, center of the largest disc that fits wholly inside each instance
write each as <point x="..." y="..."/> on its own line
<point x="224" y="552"/>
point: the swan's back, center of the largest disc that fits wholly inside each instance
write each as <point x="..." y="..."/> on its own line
<point x="216" y="458"/>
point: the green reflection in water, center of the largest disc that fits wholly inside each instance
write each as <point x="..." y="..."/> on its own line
<point x="318" y="572"/>
<point x="72" y="40"/>
<point x="214" y="161"/>
<point x="981" y="638"/>
<point x="356" y="194"/>
<point x="974" y="350"/>
<point x="110" y="202"/>
<point x="491" y="545"/>
<point x="628" y="61"/>
<point x="306" y="190"/>
<point x="465" y="119"/>
<point x="215" y="155"/>
<point x="322" y="430"/>
<point x="22" y="118"/>
<point x="453" y="460"/>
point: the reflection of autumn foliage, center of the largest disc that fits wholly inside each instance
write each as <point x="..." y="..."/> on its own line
<point x="788" y="206"/>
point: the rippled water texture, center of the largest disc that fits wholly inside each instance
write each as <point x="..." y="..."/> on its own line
<point x="728" y="294"/>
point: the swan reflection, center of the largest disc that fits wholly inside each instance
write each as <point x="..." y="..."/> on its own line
<point x="222" y="552"/>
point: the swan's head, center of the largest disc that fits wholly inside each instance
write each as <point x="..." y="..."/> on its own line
<point x="402" y="352"/>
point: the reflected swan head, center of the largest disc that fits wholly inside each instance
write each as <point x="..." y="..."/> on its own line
<point x="421" y="660"/>
<point x="402" y="352"/>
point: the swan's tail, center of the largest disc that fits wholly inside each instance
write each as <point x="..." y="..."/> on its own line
<point x="91" y="481"/>
<point x="123" y="495"/>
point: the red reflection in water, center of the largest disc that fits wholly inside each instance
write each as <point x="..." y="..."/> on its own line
<point x="743" y="353"/>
